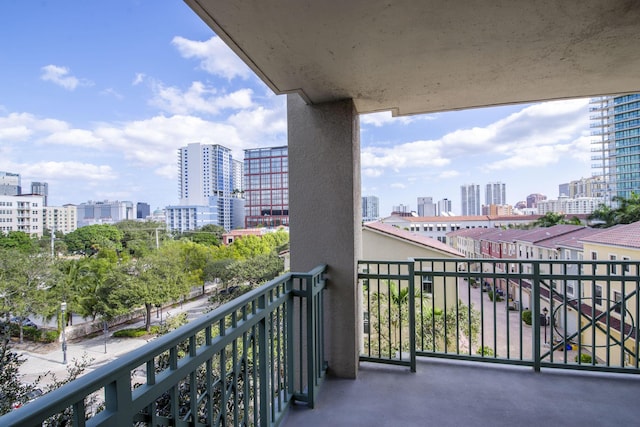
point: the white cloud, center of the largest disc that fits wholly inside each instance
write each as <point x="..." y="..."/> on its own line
<point x="372" y="172"/>
<point x="398" y="185"/>
<point x="60" y="76"/>
<point x="112" y="92"/>
<point x="77" y="137"/>
<point x="199" y="99"/>
<point x="384" y="118"/>
<point x="410" y="154"/>
<point x="214" y="55"/>
<point x="537" y="135"/>
<point x="139" y="78"/>
<point x="80" y="171"/>
<point x="18" y="127"/>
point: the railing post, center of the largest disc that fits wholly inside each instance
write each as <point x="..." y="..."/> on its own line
<point x="535" y="317"/>
<point x="263" y="364"/>
<point x="311" y="342"/>
<point x="412" y="318"/>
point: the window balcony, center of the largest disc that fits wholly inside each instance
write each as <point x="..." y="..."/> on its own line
<point x="446" y="340"/>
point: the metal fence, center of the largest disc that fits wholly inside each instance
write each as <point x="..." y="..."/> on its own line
<point x="241" y="364"/>
<point x="562" y="314"/>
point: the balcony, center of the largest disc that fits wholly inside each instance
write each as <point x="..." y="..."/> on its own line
<point x="442" y="339"/>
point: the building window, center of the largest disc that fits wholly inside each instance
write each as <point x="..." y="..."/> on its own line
<point x="614" y="267"/>
<point x="427" y="284"/>
<point x="617" y="297"/>
<point x="626" y="268"/>
<point x="598" y="296"/>
<point x="571" y="290"/>
<point x="594" y="256"/>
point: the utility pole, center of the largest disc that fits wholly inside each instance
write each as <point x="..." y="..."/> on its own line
<point x="53" y="232"/>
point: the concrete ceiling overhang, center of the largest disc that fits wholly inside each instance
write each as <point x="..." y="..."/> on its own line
<point x="431" y="55"/>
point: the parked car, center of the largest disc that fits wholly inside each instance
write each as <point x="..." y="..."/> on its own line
<point x="25" y="321"/>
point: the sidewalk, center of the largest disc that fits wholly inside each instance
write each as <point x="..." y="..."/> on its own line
<point x="40" y="359"/>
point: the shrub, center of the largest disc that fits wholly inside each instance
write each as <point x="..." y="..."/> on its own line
<point x="585" y="358"/>
<point x="526" y="317"/>
<point x="50" y="336"/>
<point x="31" y="333"/>
<point x="136" y="332"/>
<point x="486" y="351"/>
<point x="492" y="295"/>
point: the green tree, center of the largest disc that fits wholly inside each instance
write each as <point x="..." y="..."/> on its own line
<point x="91" y="239"/>
<point x="550" y="219"/>
<point x="209" y="234"/>
<point x="12" y="390"/>
<point x="18" y="240"/>
<point x="627" y="212"/>
<point x="604" y="214"/>
<point x="156" y="280"/>
<point x="26" y="278"/>
<point x="141" y="237"/>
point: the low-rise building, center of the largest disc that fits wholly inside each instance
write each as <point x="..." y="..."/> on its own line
<point x="61" y="218"/>
<point x="22" y="213"/>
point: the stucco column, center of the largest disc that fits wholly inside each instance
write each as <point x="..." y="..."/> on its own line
<point x="325" y="215"/>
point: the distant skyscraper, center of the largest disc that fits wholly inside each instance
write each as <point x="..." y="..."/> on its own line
<point x="470" y="195"/>
<point x="10" y="184"/>
<point x="495" y="194"/>
<point x="370" y="208"/>
<point x="533" y="199"/>
<point x="616" y="146"/>
<point x="205" y="189"/>
<point x="41" y="189"/>
<point x="143" y="210"/>
<point x="238" y="176"/>
<point x="563" y="189"/>
<point x="105" y="212"/>
<point x="426" y="207"/>
<point x="444" y="207"/>
<point x="266" y="187"/>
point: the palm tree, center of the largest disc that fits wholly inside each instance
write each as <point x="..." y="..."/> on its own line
<point x="628" y="208"/>
<point x="604" y="215"/>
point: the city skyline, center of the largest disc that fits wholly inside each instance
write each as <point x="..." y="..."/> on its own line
<point x="98" y="111"/>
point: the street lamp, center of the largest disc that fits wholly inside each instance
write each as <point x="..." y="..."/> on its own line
<point x="63" y="307"/>
<point x="545" y="311"/>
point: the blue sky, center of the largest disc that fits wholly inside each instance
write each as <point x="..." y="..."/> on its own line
<point x="96" y="97"/>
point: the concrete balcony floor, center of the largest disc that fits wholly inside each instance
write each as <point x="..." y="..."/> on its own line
<point x="452" y="393"/>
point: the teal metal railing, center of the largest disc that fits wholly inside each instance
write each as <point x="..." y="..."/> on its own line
<point x="543" y="313"/>
<point x="239" y="365"/>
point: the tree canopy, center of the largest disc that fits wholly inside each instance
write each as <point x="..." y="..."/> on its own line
<point x="627" y="211"/>
<point x="91" y="239"/>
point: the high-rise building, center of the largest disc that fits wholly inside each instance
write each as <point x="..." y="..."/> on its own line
<point x="587" y="187"/>
<point x="495" y="194"/>
<point x="370" y="208"/>
<point x="10" y="184"/>
<point x="563" y="189"/>
<point x="470" y="199"/>
<point x="616" y="146"/>
<point x="104" y="212"/>
<point x="426" y="207"/>
<point x="41" y="189"/>
<point x="237" y="171"/>
<point x="143" y="210"/>
<point x="444" y="208"/>
<point x="533" y="199"/>
<point x="266" y="187"/>
<point x="206" y="184"/>
<point x="401" y="210"/>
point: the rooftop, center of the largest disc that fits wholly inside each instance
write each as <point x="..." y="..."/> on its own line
<point x="412" y="237"/>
